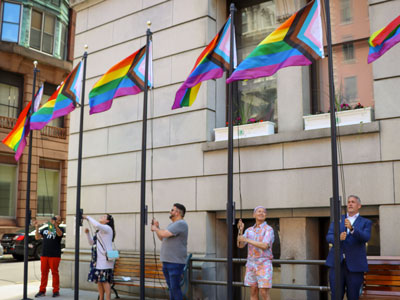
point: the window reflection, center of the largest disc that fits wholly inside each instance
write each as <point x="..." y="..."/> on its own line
<point x="257" y="97"/>
<point x="10" y="23"/>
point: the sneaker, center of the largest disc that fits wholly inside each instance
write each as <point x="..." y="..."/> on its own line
<point x="56" y="294"/>
<point x="40" y="294"/>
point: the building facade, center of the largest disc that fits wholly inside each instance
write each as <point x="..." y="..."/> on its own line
<point x="41" y="31"/>
<point x="288" y="172"/>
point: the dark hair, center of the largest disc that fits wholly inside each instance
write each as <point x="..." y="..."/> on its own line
<point x="181" y="208"/>
<point x="111" y="224"/>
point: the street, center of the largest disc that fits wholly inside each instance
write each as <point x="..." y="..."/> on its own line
<point x="12" y="271"/>
<point x="12" y="279"/>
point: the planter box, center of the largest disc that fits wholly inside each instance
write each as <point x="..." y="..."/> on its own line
<point x="245" y="131"/>
<point x="345" y="117"/>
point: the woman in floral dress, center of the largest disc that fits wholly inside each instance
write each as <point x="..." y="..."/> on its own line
<point x="101" y="270"/>
<point x="259" y="238"/>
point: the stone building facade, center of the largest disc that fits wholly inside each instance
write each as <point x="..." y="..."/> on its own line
<point x="288" y="172"/>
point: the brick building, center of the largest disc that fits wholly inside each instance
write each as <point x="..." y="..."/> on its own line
<point x="42" y="31"/>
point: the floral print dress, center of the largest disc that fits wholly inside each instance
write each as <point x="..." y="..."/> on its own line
<point x="96" y="275"/>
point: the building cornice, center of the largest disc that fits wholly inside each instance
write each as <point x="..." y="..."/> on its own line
<point x="83" y="4"/>
<point x="35" y="55"/>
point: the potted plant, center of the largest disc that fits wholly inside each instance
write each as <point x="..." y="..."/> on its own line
<point x="345" y="115"/>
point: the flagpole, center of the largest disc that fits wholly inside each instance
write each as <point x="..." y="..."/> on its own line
<point x="230" y="221"/>
<point x="78" y="214"/>
<point x="335" y="201"/>
<point x="143" y="207"/>
<point x="28" y="191"/>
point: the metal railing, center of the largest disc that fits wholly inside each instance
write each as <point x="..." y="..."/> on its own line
<point x="50" y="131"/>
<point x="6" y="122"/>
<point x="56" y="132"/>
<point x="241" y="284"/>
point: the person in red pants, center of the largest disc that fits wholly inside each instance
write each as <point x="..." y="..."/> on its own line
<point x="51" y="254"/>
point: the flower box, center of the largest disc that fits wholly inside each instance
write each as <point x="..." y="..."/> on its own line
<point x="344" y="117"/>
<point x="245" y="131"/>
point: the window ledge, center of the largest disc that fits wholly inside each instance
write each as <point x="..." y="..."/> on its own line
<point x="295" y="136"/>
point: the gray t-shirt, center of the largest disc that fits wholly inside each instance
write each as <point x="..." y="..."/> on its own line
<point x="174" y="248"/>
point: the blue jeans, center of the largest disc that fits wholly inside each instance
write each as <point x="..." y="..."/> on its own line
<point x="173" y="275"/>
<point x="350" y="282"/>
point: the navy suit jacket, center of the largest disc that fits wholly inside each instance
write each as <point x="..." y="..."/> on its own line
<point x="353" y="246"/>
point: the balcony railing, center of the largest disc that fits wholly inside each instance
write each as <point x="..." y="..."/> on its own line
<point x="56" y="132"/>
<point x="50" y="131"/>
<point x="6" y="122"/>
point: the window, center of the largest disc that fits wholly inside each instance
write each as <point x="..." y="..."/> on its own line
<point x="10" y="94"/>
<point x="48" y="192"/>
<point x="10" y="22"/>
<point x="346" y="11"/>
<point x="348" y="52"/>
<point x="256" y="98"/>
<point x="42" y="32"/>
<point x="350" y="88"/>
<point x="8" y="190"/>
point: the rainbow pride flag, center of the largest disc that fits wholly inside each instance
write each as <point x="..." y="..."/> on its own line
<point x="62" y="102"/>
<point x="384" y="39"/>
<point x="125" y="78"/>
<point x="211" y="64"/>
<point x="16" y="139"/>
<point x="297" y="42"/>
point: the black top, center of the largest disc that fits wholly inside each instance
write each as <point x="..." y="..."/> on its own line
<point x="51" y="245"/>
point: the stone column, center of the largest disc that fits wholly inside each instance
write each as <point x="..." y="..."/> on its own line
<point x="293" y="98"/>
<point x="385" y="69"/>
<point x="299" y="240"/>
<point x="389" y="222"/>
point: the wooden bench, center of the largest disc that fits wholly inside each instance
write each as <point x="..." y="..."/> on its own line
<point x="127" y="273"/>
<point x="382" y="281"/>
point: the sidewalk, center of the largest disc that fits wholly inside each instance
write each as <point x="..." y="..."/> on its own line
<point x="15" y="292"/>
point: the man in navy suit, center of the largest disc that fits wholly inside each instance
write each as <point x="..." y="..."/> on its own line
<point x="355" y="232"/>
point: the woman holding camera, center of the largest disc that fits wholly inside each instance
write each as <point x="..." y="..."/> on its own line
<point x="101" y="269"/>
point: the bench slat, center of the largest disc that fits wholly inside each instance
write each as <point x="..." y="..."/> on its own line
<point x="382" y="280"/>
<point x="130" y="267"/>
<point x="383" y="267"/>
<point x="383" y="272"/>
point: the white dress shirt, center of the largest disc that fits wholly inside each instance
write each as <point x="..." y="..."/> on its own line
<point x="352" y="220"/>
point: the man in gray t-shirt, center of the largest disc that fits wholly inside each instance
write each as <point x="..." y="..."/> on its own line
<point x="173" y="249"/>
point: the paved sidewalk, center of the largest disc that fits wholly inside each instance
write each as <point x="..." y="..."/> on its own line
<point x="15" y="292"/>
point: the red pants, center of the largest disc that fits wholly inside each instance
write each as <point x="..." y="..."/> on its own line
<point x="46" y="264"/>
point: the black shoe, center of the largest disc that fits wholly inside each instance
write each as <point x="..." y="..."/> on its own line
<point x="40" y="294"/>
<point x="56" y="294"/>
